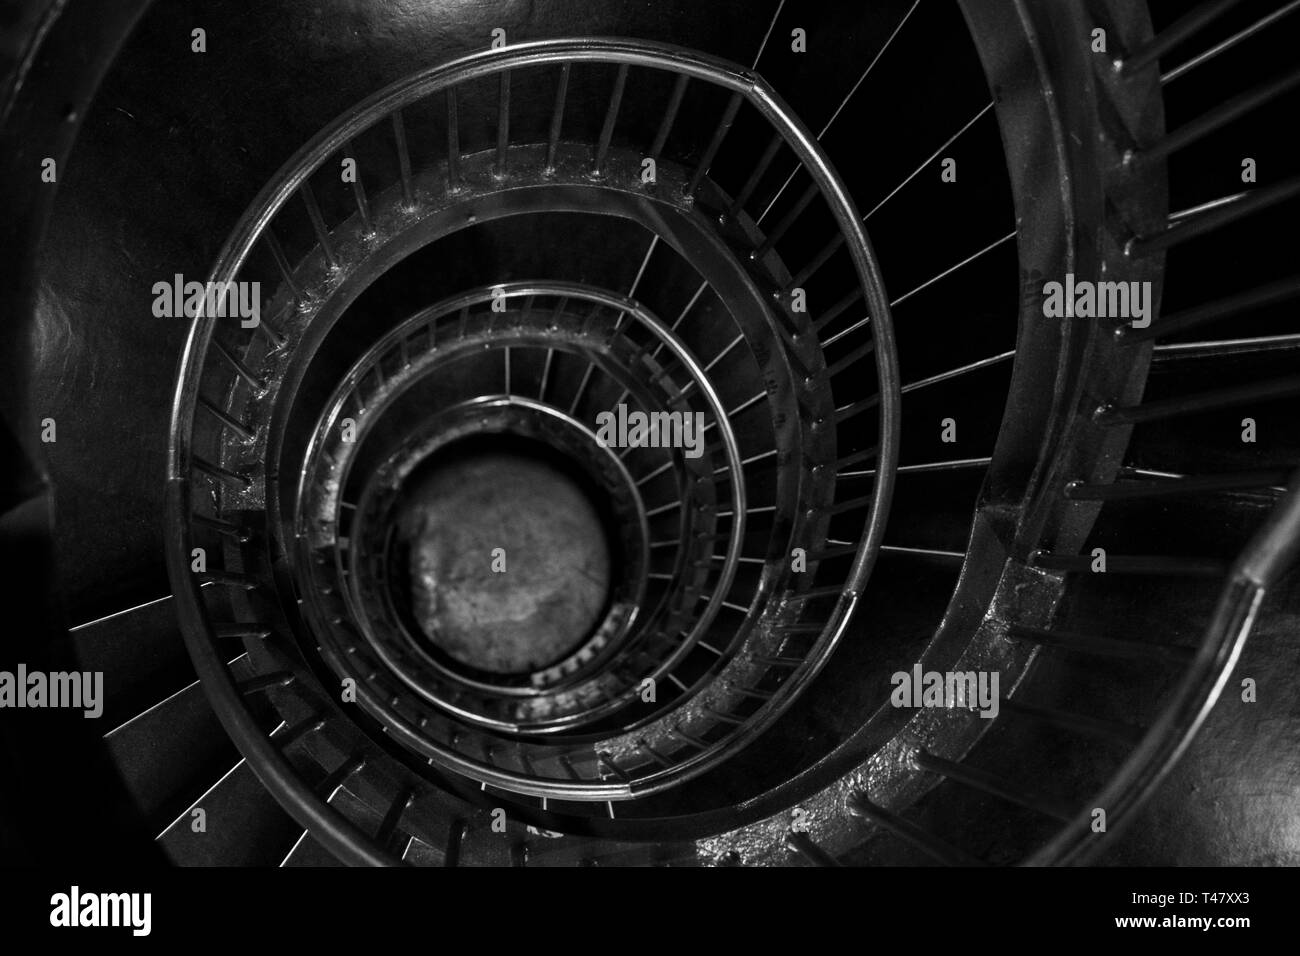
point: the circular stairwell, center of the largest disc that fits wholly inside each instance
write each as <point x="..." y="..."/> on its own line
<point x="901" y="460"/>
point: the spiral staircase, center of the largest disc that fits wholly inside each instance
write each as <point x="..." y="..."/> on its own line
<point x="490" y="227"/>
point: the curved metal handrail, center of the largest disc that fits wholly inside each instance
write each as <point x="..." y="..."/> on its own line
<point x="1273" y="551"/>
<point x="569" y="292"/>
<point x="273" y="769"/>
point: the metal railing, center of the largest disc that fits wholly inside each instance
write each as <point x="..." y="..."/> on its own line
<point x="218" y="462"/>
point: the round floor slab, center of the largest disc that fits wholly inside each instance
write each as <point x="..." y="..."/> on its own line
<point x="508" y="563"/>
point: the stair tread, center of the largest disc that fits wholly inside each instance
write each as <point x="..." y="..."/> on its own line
<point x="169" y="754"/>
<point x="243" y="825"/>
<point x="308" y="852"/>
<point x="141" y="654"/>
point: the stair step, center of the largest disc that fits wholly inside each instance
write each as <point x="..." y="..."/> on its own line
<point x="307" y="852"/>
<point x="244" y="825"/>
<point x="141" y="654"/>
<point x="170" y="753"/>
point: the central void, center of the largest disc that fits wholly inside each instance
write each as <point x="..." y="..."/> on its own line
<point x="503" y="561"/>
